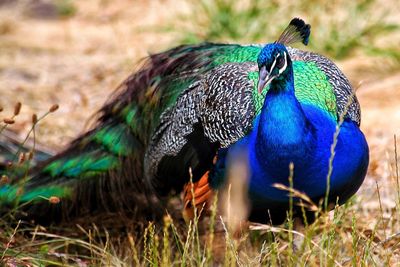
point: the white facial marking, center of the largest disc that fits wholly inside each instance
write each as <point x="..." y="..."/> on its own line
<point x="273" y="64"/>
<point x="284" y="66"/>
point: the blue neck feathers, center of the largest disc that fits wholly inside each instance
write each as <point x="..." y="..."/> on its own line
<point x="284" y="133"/>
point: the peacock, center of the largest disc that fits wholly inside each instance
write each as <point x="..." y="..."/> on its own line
<point x="188" y="116"/>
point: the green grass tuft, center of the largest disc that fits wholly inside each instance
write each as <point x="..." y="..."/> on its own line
<point x="65" y="8"/>
<point x="339" y="28"/>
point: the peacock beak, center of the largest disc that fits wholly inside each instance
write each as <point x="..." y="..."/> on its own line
<point x="264" y="78"/>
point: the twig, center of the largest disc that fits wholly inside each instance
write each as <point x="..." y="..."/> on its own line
<point x="397" y="169"/>
<point x="229" y="241"/>
<point x="383" y="242"/>
<point x="11" y="239"/>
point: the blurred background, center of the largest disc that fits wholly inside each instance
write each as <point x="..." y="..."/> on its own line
<point x="75" y="53"/>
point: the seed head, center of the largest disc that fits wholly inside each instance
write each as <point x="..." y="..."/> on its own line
<point x="54" y="200"/>
<point x="21" y="158"/>
<point x="53" y="108"/>
<point x="4" y="179"/>
<point x="34" y="119"/>
<point x="17" y="108"/>
<point x="8" y="121"/>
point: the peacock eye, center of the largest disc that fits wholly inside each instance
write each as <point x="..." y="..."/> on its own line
<point x="280" y="62"/>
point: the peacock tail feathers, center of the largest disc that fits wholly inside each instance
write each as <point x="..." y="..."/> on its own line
<point x="103" y="168"/>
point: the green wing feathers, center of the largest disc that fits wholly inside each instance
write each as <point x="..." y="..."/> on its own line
<point x="89" y="157"/>
<point x="104" y="166"/>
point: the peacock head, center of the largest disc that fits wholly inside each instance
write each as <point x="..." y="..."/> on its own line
<point x="274" y="61"/>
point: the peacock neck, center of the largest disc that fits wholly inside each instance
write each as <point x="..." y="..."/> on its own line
<point x="284" y="133"/>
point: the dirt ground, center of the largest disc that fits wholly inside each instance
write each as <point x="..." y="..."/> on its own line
<point x="77" y="62"/>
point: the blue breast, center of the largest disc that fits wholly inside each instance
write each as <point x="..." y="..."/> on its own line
<point x="310" y="165"/>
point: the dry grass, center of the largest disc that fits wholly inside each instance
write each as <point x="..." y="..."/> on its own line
<point x="77" y="61"/>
